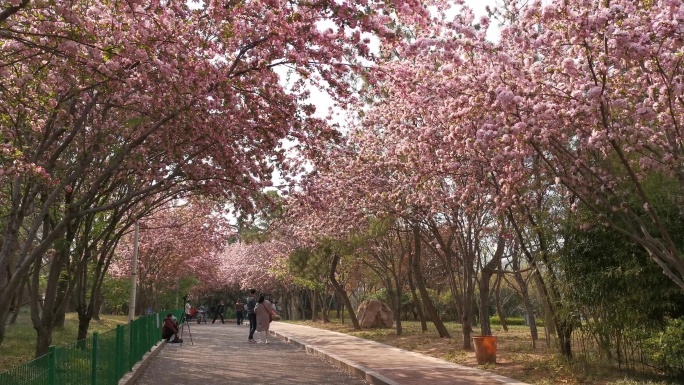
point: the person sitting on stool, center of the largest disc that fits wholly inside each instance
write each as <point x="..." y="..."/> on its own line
<point x="170" y="328"/>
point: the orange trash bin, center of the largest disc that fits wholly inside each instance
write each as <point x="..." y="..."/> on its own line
<point x="485" y="349"/>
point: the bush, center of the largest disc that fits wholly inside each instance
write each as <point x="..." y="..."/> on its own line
<point x="666" y="348"/>
<point x="513" y="321"/>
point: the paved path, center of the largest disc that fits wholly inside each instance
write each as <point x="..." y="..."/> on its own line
<point x="220" y="354"/>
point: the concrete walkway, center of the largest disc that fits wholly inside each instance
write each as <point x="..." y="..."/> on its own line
<point x="383" y="364"/>
<point x="221" y="354"/>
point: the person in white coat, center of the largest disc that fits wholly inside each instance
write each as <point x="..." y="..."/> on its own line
<point x="264" y="316"/>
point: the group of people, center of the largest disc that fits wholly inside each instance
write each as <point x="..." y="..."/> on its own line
<point x="258" y="310"/>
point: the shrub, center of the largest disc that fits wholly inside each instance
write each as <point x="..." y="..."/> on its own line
<point x="666" y="348"/>
<point x="513" y="321"/>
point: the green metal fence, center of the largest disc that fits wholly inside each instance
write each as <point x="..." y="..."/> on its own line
<point x="102" y="359"/>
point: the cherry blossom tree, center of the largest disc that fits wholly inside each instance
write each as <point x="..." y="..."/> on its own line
<point x="96" y="94"/>
<point x="594" y="90"/>
<point x="258" y="265"/>
<point x="175" y="242"/>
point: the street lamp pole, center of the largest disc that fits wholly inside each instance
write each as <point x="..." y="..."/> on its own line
<point x="134" y="275"/>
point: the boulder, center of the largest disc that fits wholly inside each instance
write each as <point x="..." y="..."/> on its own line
<point x="375" y="314"/>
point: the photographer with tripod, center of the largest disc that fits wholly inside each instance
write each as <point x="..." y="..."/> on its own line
<point x="185" y="316"/>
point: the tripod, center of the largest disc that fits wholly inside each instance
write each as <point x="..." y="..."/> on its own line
<point x="183" y="324"/>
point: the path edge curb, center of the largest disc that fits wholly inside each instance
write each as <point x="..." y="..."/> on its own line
<point x="140" y="366"/>
<point x="362" y="372"/>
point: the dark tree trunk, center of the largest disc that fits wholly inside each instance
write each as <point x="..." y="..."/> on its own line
<point x="45" y="321"/>
<point x="487" y="272"/>
<point x="42" y="325"/>
<point x="427" y="301"/>
<point x="525" y="293"/>
<point x="485" y="326"/>
<point x="418" y="307"/>
<point x="99" y="301"/>
<point x="325" y="308"/>
<point x="341" y="292"/>
<point x="397" y="314"/>
<point x="497" y="298"/>
<point x="548" y="292"/>
<point x="564" y="336"/>
<point x="83" y="325"/>
<point x="468" y="311"/>
<point x="8" y="253"/>
<point x="314" y="306"/>
<point x="302" y="303"/>
<point x="63" y="299"/>
<point x="338" y="307"/>
<point x="19" y="301"/>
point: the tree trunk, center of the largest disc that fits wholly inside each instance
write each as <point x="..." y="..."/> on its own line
<point x="19" y="301"/>
<point x="325" y="308"/>
<point x="301" y="305"/>
<point x="418" y="307"/>
<point x="33" y="249"/>
<point x="497" y="297"/>
<point x="83" y="325"/>
<point x="42" y="325"/>
<point x="397" y="314"/>
<point x="468" y="296"/>
<point x="314" y="306"/>
<point x="427" y="301"/>
<point x="289" y="305"/>
<point x="485" y="326"/>
<point x="564" y="337"/>
<point x="62" y="298"/>
<point x="549" y="293"/>
<point x="341" y="292"/>
<point x="99" y="301"/>
<point x="338" y="308"/>
<point x="529" y="309"/>
<point x="487" y="272"/>
<point x="8" y="251"/>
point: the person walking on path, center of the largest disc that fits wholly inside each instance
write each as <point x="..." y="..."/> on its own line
<point x="264" y="316"/>
<point x="218" y="312"/>
<point x="239" y="315"/>
<point x="188" y="310"/>
<point x="251" y="304"/>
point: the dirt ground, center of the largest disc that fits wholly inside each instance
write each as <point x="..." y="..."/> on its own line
<point x="516" y="356"/>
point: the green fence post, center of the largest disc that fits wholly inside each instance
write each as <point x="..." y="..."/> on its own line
<point x="153" y="332"/>
<point x="149" y="333"/>
<point x="93" y="360"/>
<point x="52" y="363"/>
<point x="156" y="330"/>
<point x="131" y="344"/>
<point x="119" y="351"/>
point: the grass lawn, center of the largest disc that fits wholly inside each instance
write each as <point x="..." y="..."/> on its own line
<point x="516" y="358"/>
<point x="19" y="345"/>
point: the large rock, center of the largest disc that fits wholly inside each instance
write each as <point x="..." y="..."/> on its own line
<point x="375" y="314"/>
